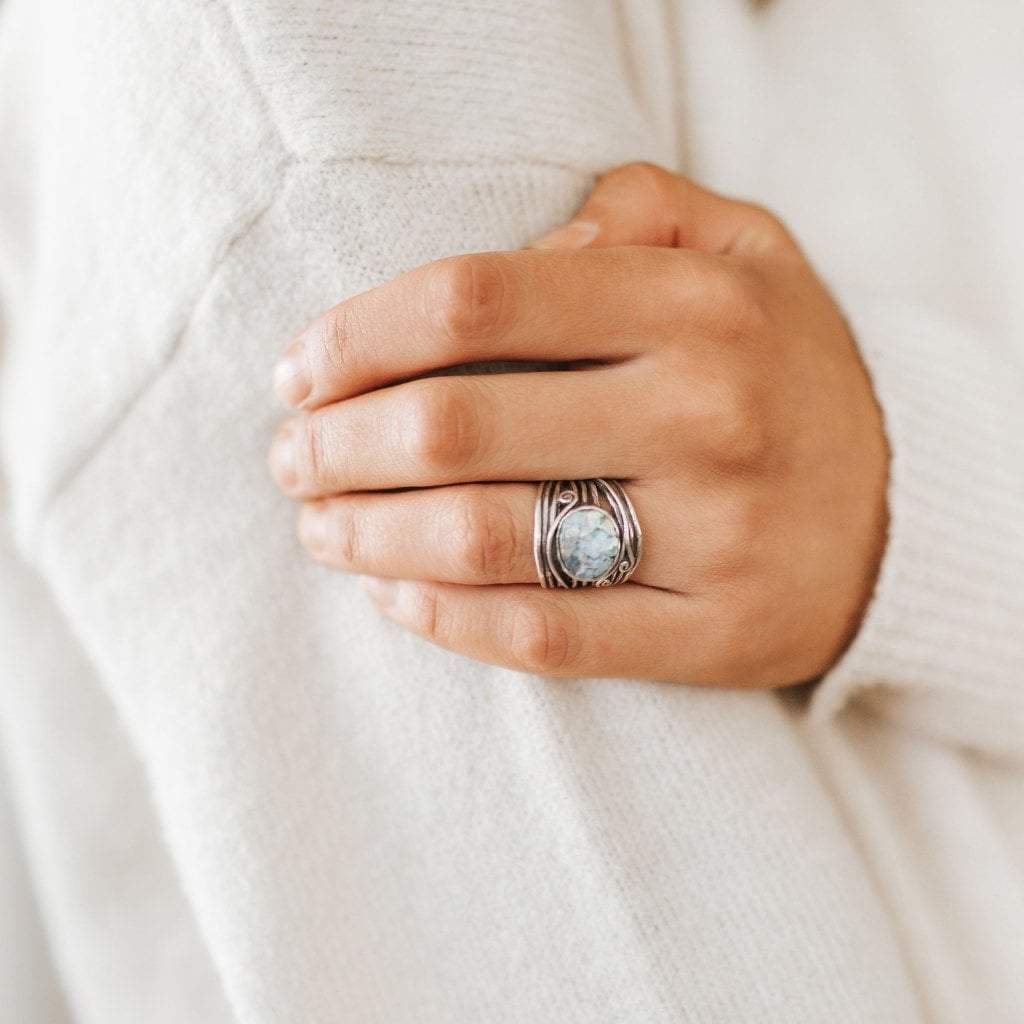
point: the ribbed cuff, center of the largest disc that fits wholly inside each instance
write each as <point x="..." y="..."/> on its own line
<point x="941" y="649"/>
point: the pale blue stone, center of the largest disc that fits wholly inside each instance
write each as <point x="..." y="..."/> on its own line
<point x="588" y="543"/>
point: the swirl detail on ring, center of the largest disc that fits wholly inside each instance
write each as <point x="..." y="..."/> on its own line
<point x="586" y="534"/>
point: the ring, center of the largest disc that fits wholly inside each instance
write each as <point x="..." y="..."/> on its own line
<point x="585" y="534"/>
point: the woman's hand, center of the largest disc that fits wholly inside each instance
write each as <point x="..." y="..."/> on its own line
<point x="695" y="356"/>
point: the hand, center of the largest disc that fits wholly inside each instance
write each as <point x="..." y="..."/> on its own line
<point x="695" y="356"/>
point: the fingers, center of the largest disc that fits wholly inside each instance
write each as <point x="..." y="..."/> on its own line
<point x="523" y="426"/>
<point x="641" y="204"/>
<point x="482" y="534"/>
<point x="628" y="630"/>
<point x="474" y="534"/>
<point x="525" y="306"/>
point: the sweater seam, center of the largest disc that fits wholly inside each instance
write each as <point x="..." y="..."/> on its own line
<point x="66" y="482"/>
<point x="482" y="161"/>
<point x="385" y="159"/>
<point x="246" y="65"/>
<point x="288" y="165"/>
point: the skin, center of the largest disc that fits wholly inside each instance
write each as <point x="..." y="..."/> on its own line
<point x="695" y="356"/>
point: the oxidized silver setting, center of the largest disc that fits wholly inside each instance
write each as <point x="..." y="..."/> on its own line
<point x="566" y="556"/>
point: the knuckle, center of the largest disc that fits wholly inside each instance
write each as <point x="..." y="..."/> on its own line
<point x="336" y="338"/>
<point x="444" y="432"/>
<point x="488" y="540"/>
<point x="468" y="297"/>
<point x="310" y="461"/>
<point x="641" y="176"/>
<point x="348" y="543"/>
<point x="765" y="222"/>
<point x="738" y="302"/>
<point x="753" y="297"/>
<point x="685" y="284"/>
<point x="734" y="429"/>
<point x="543" y="641"/>
<point x="735" y="535"/>
<point x="428" y="617"/>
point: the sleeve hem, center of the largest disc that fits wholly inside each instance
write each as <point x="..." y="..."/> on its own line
<point x="941" y="647"/>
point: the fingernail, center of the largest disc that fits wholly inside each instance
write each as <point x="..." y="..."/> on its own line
<point x="313" y="528"/>
<point x="574" y="235"/>
<point x="282" y="456"/>
<point x="291" y="375"/>
<point x="384" y="592"/>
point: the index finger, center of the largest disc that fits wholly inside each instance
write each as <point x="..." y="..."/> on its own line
<point x="606" y="305"/>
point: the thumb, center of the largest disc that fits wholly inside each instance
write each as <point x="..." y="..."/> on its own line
<point x="641" y="204"/>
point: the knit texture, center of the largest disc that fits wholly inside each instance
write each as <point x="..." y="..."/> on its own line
<point x="235" y="793"/>
<point x="942" y="646"/>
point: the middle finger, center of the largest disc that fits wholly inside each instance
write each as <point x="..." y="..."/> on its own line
<point x="445" y="430"/>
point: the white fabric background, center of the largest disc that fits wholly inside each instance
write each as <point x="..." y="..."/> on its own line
<point x="236" y="794"/>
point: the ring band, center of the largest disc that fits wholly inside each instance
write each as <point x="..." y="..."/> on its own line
<point x="585" y="534"/>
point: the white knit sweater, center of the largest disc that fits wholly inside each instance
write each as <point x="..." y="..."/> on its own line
<point x="230" y="792"/>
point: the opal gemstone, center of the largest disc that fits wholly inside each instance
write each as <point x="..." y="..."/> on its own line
<point x="588" y="543"/>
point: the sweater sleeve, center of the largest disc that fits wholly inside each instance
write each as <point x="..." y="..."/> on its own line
<point x="941" y="648"/>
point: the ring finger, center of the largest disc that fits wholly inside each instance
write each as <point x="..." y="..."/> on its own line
<point x="474" y="534"/>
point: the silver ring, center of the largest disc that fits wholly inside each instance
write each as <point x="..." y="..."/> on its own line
<point x="585" y="534"/>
